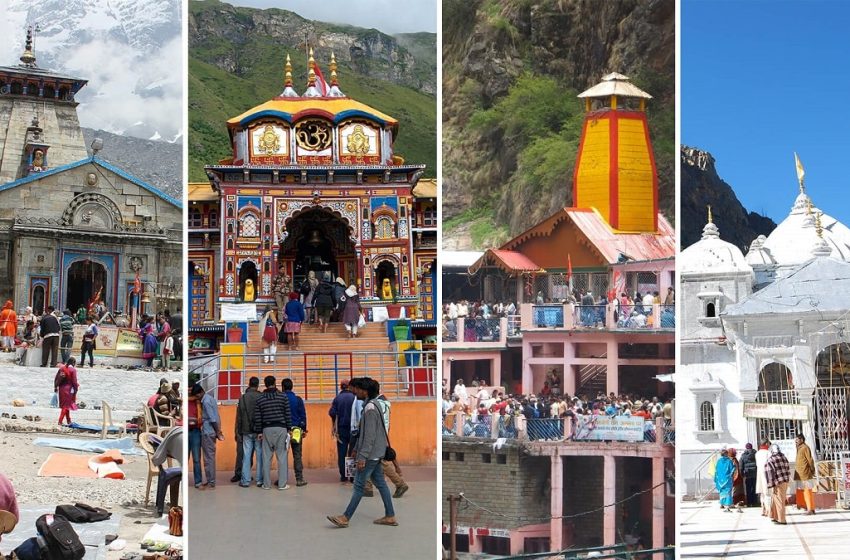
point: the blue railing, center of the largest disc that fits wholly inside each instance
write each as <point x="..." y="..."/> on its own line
<point x="548" y="315"/>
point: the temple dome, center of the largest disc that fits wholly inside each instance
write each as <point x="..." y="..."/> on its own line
<point x="712" y="255"/>
<point x="793" y="241"/>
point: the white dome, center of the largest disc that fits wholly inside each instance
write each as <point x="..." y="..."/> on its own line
<point x="712" y="255"/>
<point x="758" y="254"/>
<point x="794" y="241"/>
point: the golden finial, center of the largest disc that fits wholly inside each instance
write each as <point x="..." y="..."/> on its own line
<point x="808" y="206"/>
<point x="288" y="76"/>
<point x="818" y="226"/>
<point x="333" y="70"/>
<point x="28" y="58"/>
<point x="709" y="214"/>
<point x="801" y="173"/>
<point x="311" y="74"/>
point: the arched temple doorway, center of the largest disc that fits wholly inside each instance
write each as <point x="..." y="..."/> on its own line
<point x="386" y="270"/>
<point x="319" y="239"/>
<point x="248" y="271"/>
<point x="86" y="284"/>
<point x="776" y="386"/>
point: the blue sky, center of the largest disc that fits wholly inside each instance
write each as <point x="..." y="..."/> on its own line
<point x="761" y="80"/>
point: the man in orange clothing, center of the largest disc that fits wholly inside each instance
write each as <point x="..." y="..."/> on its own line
<point x="804" y="472"/>
<point x="8" y="326"/>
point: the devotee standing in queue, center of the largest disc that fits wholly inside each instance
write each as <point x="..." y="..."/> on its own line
<point x="749" y="470"/>
<point x="299" y="422"/>
<point x="351" y="312"/>
<point x="195" y="423"/>
<point x="804" y="472"/>
<point x="778" y="474"/>
<point x="272" y="423"/>
<point x="245" y="436"/>
<point x="210" y="434"/>
<point x="762" y="490"/>
<point x="340" y="413"/>
<point x="724" y="473"/>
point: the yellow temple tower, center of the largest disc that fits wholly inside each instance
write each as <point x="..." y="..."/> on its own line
<point x="615" y="167"/>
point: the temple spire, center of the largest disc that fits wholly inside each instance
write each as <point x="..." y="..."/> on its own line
<point x="334" y="90"/>
<point x="28" y="58"/>
<point x="312" y="91"/>
<point x="709" y="215"/>
<point x="288" y="91"/>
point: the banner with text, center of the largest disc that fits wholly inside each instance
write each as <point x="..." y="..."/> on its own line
<point x="612" y="428"/>
<point x="776" y="411"/>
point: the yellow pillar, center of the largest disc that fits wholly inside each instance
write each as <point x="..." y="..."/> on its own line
<point x="613" y="101"/>
<point x="587" y="104"/>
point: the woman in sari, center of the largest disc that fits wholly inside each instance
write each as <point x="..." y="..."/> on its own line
<point x="65" y="384"/>
<point x="724" y="473"/>
<point x="739" y="494"/>
<point x="149" y="342"/>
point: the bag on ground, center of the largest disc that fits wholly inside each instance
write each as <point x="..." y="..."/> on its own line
<point x="60" y="538"/>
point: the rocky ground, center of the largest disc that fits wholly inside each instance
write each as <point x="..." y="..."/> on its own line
<point x="20" y="460"/>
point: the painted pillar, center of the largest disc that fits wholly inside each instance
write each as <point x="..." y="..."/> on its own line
<point x="609" y="496"/>
<point x="658" y="494"/>
<point x="612" y="370"/>
<point x="569" y="382"/>
<point x="496" y="370"/>
<point x="556" y="524"/>
<point x="527" y="373"/>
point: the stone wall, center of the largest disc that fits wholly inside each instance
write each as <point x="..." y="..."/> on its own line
<point x="516" y="486"/>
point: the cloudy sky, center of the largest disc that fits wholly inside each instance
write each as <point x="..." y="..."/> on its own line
<point x="389" y="16"/>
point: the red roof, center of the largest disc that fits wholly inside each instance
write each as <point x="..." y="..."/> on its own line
<point x="612" y="243"/>
<point x="509" y="261"/>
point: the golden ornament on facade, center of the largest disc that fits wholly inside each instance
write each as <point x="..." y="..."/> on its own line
<point x="314" y="136"/>
<point x="358" y="142"/>
<point x="269" y="142"/>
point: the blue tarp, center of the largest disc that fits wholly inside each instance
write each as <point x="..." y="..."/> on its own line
<point x="126" y="445"/>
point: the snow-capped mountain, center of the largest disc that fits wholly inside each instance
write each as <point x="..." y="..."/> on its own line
<point x="131" y="52"/>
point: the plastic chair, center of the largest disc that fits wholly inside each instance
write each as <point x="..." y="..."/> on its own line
<point x="152" y="470"/>
<point x="169" y="477"/>
<point x="156" y="423"/>
<point x="108" y="423"/>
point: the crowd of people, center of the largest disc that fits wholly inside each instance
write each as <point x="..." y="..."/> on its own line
<point x="634" y="312"/>
<point x="479" y="403"/>
<point x="53" y="333"/>
<point x="319" y="301"/>
<point x="762" y="478"/>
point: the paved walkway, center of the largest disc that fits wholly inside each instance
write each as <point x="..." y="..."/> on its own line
<point x="234" y="522"/>
<point x="708" y="532"/>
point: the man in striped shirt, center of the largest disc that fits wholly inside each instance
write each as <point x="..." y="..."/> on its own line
<point x="272" y="423"/>
<point x="778" y="474"/>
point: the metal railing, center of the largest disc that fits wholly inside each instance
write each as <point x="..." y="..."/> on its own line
<point x="700" y="493"/>
<point x="589" y="316"/>
<point x="546" y="429"/>
<point x="482" y="330"/>
<point x="515" y="325"/>
<point x="548" y="316"/>
<point x="316" y="375"/>
<point x="450" y="330"/>
<point x="618" y="551"/>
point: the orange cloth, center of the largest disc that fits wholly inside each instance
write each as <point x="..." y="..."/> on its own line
<point x="8" y="320"/>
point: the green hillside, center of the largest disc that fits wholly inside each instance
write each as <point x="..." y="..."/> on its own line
<point x="216" y="95"/>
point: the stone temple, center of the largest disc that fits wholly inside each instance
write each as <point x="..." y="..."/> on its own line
<point x="73" y="228"/>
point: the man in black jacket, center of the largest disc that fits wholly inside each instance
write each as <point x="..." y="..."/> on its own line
<point x="324" y="302"/>
<point x="246" y="439"/>
<point x="50" y="333"/>
<point x="272" y="423"/>
<point x="749" y="469"/>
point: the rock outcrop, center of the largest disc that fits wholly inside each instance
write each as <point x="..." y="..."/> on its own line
<point x="701" y="187"/>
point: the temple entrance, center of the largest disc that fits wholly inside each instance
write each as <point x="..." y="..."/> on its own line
<point x="776" y="386"/>
<point x="385" y="274"/>
<point x="248" y="290"/>
<point x="319" y="240"/>
<point x="85" y="285"/>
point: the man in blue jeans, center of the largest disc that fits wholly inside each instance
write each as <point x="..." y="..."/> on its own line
<point x="245" y="433"/>
<point x="371" y="447"/>
<point x="340" y="413"/>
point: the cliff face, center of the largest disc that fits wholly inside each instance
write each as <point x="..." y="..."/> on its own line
<point x="236" y="61"/>
<point x="511" y="122"/>
<point x="215" y="26"/>
<point x="701" y="187"/>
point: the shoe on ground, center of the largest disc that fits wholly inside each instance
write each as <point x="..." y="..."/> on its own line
<point x="260" y="484"/>
<point x="301" y="483"/>
<point x="284" y="487"/>
<point x="244" y="485"/>
<point x="399" y="492"/>
<point x="235" y="478"/>
<point x="811" y="512"/>
<point x="339" y="520"/>
<point x="386" y="521"/>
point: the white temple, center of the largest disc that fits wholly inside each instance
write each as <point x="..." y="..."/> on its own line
<point x="764" y="344"/>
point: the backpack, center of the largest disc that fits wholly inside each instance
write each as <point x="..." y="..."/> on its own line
<point x="61" y="541"/>
<point x="82" y="513"/>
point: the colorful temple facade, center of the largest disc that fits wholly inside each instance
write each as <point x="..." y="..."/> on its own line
<point x="313" y="185"/>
